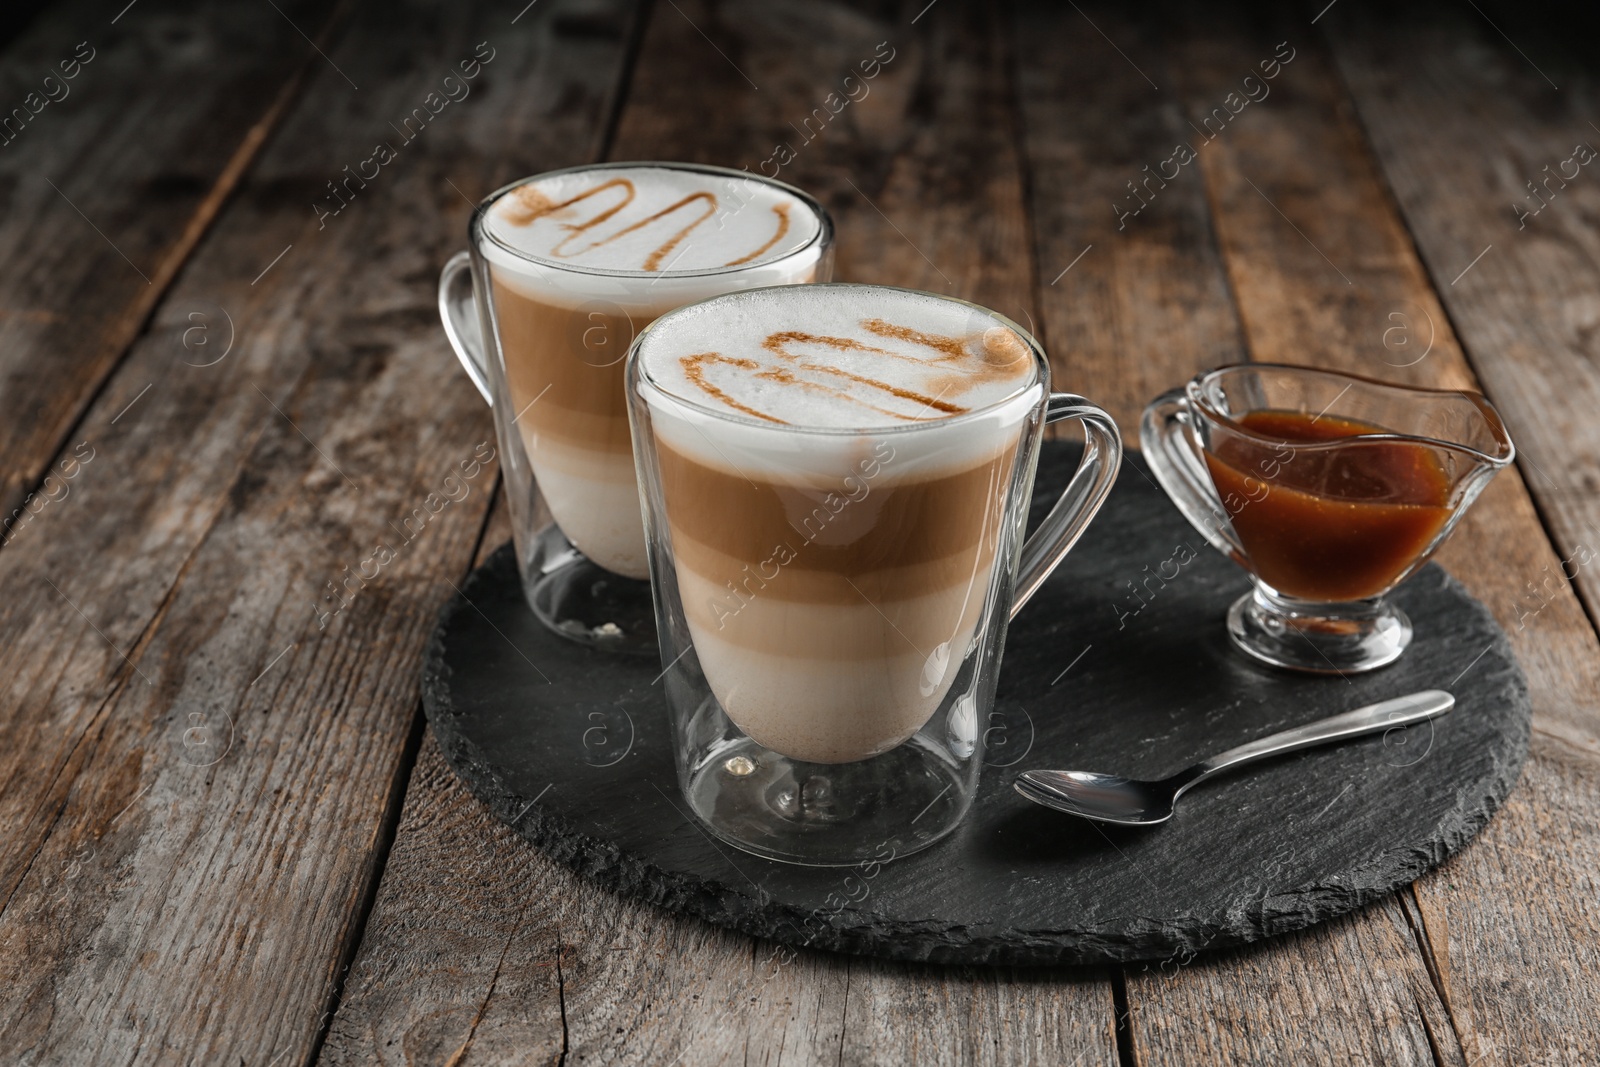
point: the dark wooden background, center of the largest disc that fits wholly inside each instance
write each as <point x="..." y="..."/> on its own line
<point x="225" y="835"/>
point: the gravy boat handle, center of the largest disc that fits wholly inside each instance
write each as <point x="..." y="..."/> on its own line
<point x="1166" y="437"/>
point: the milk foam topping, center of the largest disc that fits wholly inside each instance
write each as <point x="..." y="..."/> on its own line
<point x="838" y="356"/>
<point x="652" y="219"/>
<point x="818" y="377"/>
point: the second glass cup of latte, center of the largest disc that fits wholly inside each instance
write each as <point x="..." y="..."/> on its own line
<point x="564" y="269"/>
<point x="836" y="480"/>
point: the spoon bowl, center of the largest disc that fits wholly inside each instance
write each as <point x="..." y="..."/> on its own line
<point x="1102" y="797"/>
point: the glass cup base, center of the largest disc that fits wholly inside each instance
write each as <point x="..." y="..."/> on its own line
<point x="827" y="814"/>
<point x="1319" y="638"/>
<point x="586" y="603"/>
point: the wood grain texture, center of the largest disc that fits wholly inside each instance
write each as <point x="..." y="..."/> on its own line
<point x="1364" y="981"/>
<point x="1319" y="261"/>
<point x="105" y="191"/>
<point x="1526" y="309"/>
<point x="438" y="982"/>
<point x="476" y="962"/>
<point x="1353" y="991"/>
<point x="1129" y="304"/>
<point x="920" y="172"/>
<point x="158" y="906"/>
<point x="931" y="154"/>
<point x="972" y="1016"/>
<point x="1514" y="927"/>
<point x="200" y="780"/>
<point x="479" y="950"/>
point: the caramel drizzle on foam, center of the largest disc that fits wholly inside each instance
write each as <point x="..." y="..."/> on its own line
<point x="531" y="204"/>
<point x="999" y="351"/>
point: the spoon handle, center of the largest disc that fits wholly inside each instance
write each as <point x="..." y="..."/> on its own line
<point x="1385" y="715"/>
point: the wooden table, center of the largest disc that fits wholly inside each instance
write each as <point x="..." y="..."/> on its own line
<point x="225" y="833"/>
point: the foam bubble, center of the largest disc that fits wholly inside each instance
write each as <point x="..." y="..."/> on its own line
<point x="652" y="219"/>
<point x="837" y="356"/>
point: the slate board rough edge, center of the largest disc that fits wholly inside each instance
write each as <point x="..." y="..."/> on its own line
<point x="863" y="933"/>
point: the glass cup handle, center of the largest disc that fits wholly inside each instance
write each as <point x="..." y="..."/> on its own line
<point x="460" y="317"/>
<point x="1090" y="484"/>
<point x="1166" y="436"/>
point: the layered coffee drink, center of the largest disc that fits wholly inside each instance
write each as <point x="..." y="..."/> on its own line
<point x="578" y="262"/>
<point x="834" y="467"/>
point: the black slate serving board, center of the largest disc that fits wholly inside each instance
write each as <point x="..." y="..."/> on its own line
<point x="570" y="747"/>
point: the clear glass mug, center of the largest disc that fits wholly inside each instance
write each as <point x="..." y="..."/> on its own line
<point x="832" y="603"/>
<point x="1330" y="489"/>
<point x="544" y="340"/>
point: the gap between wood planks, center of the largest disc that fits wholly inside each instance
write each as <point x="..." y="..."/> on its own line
<point x="124" y="677"/>
<point x="1130" y="1055"/>
<point x="1123" y="1021"/>
<point x="262" y="122"/>
<point x="1435" y="959"/>
<point x="1411" y="907"/>
<point x="1540" y="508"/>
<point x="1409" y="904"/>
<point x="1121" y="1024"/>
<point x="389" y="825"/>
<point x="1244" y="303"/>
<point x="1017" y="124"/>
<point x="205" y="214"/>
<point x="378" y="861"/>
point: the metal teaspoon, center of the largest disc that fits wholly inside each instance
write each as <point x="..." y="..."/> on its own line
<point x="1131" y="802"/>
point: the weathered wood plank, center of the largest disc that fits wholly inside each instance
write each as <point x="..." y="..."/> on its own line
<point x="923" y="162"/>
<point x="943" y="1015"/>
<point x="1319" y="262"/>
<point x="192" y="832"/>
<point x="485" y="906"/>
<point x="480" y="950"/>
<point x="1129" y="304"/>
<point x="917" y="165"/>
<point x="1462" y="124"/>
<point x="107" y="188"/>
<point x="1360" y="989"/>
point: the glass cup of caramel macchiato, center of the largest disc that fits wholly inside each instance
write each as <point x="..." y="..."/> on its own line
<point x="564" y="270"/>
<point x="836" y="480"/>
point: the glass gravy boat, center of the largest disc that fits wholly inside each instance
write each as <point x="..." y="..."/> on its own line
<point x="1330" y="489"/>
